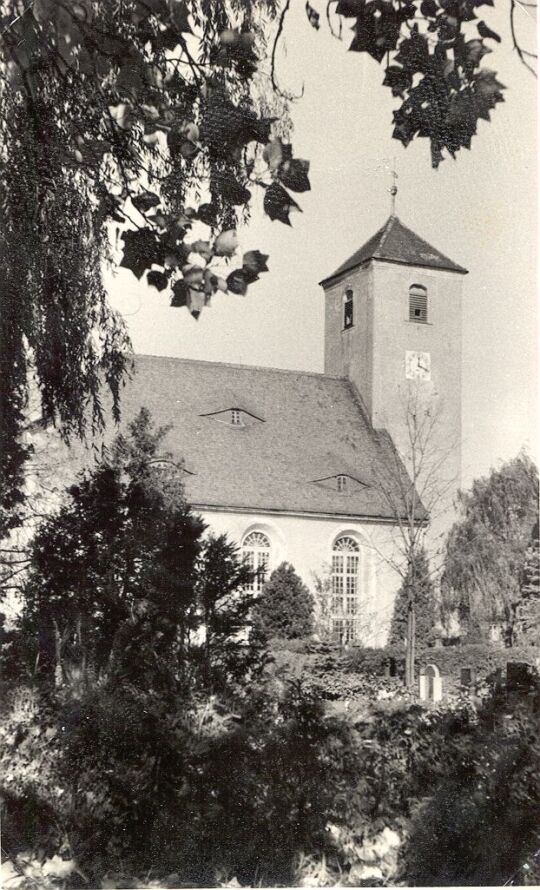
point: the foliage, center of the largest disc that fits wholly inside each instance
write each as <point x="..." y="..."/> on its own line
<point x="487" y="548"/>
<point x="252" y="794"/>
<point x="121" y="582"/>
<point x="432" y="53"/>
<point x="417" y="588"/>
<point x="481" y="826"/>
<point x="147" y="115"/>
<point x="285" y="608"/>
<point x="228" y="652"/>
<point x="528" y="609"/>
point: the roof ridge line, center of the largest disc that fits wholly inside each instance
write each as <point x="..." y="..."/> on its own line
<point x="241" y="367"/>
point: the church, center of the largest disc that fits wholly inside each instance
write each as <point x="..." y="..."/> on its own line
<point x="306" y="467"/>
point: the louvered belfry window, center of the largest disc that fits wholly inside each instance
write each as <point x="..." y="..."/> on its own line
<point x="348" y="309"/>
<point x="417" y="303"/>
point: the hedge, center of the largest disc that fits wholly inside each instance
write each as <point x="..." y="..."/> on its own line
<point x="483" y="657"/>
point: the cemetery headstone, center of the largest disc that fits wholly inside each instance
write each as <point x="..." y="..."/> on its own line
<point x="468" y="676"/>
<point x="430" y="684"/>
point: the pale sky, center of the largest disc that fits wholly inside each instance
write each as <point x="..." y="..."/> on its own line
<point x="480" y="210"/>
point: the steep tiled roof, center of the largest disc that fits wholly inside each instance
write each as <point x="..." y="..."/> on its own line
<point x="396" y="243"/>
<point x="312" y="427"/>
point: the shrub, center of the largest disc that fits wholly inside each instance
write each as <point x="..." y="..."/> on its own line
<point x="285" y="608"/>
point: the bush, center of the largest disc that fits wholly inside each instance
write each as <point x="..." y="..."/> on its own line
<point x="483" y="657"/>
<point x="374" y="661"/>
<point x="285" y="608"/>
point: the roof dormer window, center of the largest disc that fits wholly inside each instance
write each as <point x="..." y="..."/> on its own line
<point x="341" y="482"/>
<point x="237" y="417"/>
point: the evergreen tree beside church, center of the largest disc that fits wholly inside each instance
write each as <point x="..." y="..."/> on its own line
<point x="285" y="609"/>
<point x="417" y="584"/>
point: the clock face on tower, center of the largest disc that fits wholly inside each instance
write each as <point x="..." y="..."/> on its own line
<point x="417" y="365"/>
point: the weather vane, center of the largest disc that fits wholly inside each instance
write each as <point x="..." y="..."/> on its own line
<point x="393" y="188"/>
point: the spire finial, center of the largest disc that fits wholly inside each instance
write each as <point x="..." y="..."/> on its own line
<point x="393" y="188"/>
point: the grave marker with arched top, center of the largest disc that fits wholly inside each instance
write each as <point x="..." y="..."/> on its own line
<point x="430" y="684"/>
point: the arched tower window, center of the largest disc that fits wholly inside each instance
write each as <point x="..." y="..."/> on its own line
<point x="348" y="308"/>
<point x="345" y="588"/>
<point x="256" y="553"/>
<point x="417" y="303"/>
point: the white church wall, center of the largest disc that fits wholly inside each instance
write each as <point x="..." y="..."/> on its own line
<point x="306" y="542"/>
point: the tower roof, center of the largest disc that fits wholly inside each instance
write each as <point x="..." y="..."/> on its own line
<point x="395" y="243"/>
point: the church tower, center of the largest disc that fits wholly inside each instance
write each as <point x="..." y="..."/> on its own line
<point x="393" y="328"/>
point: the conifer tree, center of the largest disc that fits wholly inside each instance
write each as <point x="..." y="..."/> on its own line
<point x="285" y="608"/>
<point x="418" y="586"/>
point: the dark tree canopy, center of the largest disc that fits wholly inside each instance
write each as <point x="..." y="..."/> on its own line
<point x="418" y="588"/>
<point x="487" y="548"/>
<point x="285" y="608"/>
<point x="121" y="581"/>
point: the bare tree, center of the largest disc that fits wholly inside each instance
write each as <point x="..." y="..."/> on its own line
<point x="417" y="482"/>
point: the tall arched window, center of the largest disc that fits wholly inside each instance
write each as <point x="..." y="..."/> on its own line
<point x="345" y="588"/>
<point x="417" y="303"/>
<point x="348" y="308"/>
<point x="256" y="553"/>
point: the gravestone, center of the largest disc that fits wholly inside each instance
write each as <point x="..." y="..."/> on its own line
<point x="468" y="676"/>
<point x="430" y="684"/>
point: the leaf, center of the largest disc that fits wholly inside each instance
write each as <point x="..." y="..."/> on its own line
<point x="377" y="28"/>
<point x="226" y="243"/>
<point x="233" y="191"/>
<point x="180" y="294"/>
<point x="413" y="53"/>
<point x="484" y="31"/>
<point x="313" y="16"/>
<point x="210" y="282"/>
<point x="255" y="261"/>
<point x="183" y="140"/>
<point x="472" y="52"/>
<point x="398" y="79"/>
<point x="278" y="203"/>
<point x="141" y="249"/>
<point x="157" y="279"/>
<point x="207" y="213"/>
<point x="350" y="8"/>
<point x="203" y="249"/>
<point x="195" y="302"/>
<point x="273" y="154"/>
<point x="193" y="276"/>
<point x="237" y="282"/>
<point x="294" y="175"/>
<point x="487" y="93"/>
<point x="145" y="201"/>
